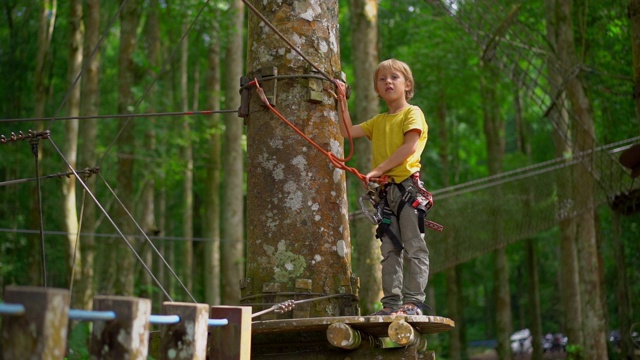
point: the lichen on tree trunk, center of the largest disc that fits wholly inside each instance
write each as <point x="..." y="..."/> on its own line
<point x="297" y="215"/>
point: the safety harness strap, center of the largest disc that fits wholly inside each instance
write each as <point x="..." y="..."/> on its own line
<point x="384" y="227"/>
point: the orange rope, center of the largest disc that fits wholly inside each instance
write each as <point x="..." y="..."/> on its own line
<point x="339" y="163"/>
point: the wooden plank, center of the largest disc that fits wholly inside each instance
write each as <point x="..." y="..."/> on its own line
<point x="374" y="325"/>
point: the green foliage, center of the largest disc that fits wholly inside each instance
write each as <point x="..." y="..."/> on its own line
<point x="445" y="62"/>
<point x="79" y="340"/>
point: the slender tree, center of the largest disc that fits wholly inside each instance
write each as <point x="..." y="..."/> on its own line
<point x="494" y="134"/>
<point x="595" y="346"/>
<point x="74" y="253"/>
<point x="87" y="152"/>
<point x="232" y="257"/>
<point x="47" y="17"/>
<point x="148" y="201"/>
<point x="212" y="189"/>
<point x="558" y="115"/>
<point x="129" y="18"/>
<point x="187" y="160"/>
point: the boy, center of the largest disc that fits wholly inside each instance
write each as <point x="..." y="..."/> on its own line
<point x="398" y="138"/>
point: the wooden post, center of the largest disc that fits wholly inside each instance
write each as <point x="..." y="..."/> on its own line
<point x="126" y="337"/>
<point x="41" y="332"/>
<point x="232" y="341"/>
<point x="188" y="338"/>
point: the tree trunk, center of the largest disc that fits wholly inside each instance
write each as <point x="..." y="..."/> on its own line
<point x="494" y="134"/>
<point x="212" y="188"/>
<point x="533" y="286"/>
<point x="298" y="231"/>
<point x="74" y="253"/>
<point x="634" y="22"/>
<point x="232" y="264"/>
<point x="36" y="267"/>
<point x="126" y="144"/>
<point x="454" y="290"/>
<point x="148" y="222"/>
<point x="625" y="314"/>
<point x="595" y="345"/>
<point x="364" y="22"/>
<point x="535" y="314"/>
<point x="569" y="284"/>
<point x="87" y="155"/>
<point x="187" y="211"/>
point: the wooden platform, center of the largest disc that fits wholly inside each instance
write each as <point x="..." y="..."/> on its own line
<point x="374" y="325"/>
<point x="357" y="337"/>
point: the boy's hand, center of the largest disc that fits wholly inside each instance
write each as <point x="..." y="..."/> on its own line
<point x="341" y="88"/>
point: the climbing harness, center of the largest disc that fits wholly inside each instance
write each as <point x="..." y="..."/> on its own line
<point x="376" y="208"/>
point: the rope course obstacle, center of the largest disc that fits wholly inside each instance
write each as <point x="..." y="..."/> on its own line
<point x="530" y="199"/>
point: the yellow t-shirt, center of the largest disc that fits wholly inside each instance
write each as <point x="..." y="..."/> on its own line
<point x="386" y="133"/>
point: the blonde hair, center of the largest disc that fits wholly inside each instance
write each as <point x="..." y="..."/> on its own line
<point x="402" y="68"/>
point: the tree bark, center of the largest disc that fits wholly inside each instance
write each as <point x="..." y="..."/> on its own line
<point x="494" y="134"/>
<point x="126" y="144"/>
<point x="298" y="231"/>
<point x="187" y="211"/>
<point x="454" y="288"/>
<point x="74" y="253"/>
<point x="569" y="284"/>
<point x="364" y="23"/>
<point x="212" y="189"/>
<point x="625" y="314"/>
<point x="634" y="22"/>
<point x="533" y="286"/>
<point x="535" y="314"/>
<point x="595" y="346"/>
<point x="148" y="222"/>
<point x="47" y="18"/>
<point x="232" y="264"/>
<point x="87" y="152"/>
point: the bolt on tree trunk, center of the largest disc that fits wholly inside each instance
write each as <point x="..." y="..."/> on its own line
<point x="297" y="215"/>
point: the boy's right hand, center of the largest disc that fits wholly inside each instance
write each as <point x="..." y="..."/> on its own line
<point x="341" y="87"/>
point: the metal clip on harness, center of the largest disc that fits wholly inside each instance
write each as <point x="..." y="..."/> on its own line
<point x="371" y="212"/>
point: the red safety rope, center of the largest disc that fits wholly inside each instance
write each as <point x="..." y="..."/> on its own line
<point x="339" y="163"/>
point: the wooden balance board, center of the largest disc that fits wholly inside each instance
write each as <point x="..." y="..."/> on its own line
<point x="373" y="325"/>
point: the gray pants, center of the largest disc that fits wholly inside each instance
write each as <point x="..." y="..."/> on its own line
<point x="405" y="273"/>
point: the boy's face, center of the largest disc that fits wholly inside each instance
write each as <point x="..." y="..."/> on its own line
<point x="391" y="85"/>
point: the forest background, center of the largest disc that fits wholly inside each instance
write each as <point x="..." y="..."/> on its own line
<point x="181" y="176"/>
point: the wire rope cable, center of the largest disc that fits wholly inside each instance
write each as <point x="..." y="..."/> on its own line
<point x="144" y="265"/>
<point x="147" y="239"/>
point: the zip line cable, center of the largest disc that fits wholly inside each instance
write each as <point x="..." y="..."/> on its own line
<point x="86" y="172"/>
<point x="147" y="239"/>
<point x="110" y="219"/>
<point x="116" y="116"/>
<point x="109" y="235"/>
